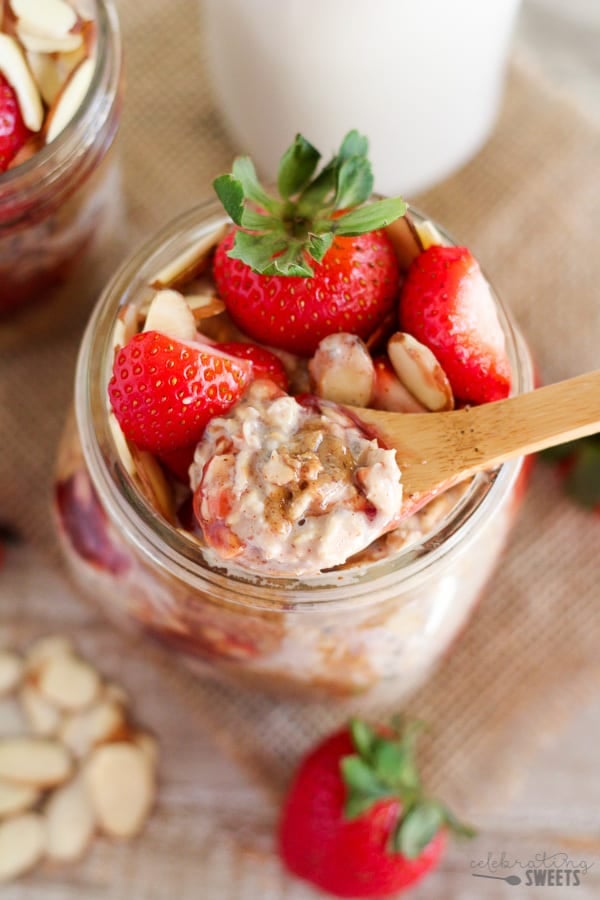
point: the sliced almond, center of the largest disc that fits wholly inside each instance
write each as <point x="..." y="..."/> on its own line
<point x="428" y="234"/>
<point x="16" y="798"/>
<point x="187" y="265"/>
<point x="70" y="821"/>
<point x="121" y="786"/>
<point x="342" y="370"/>
<point x="13" y="66"/>
<point x="406" y="241"/>
<point x="116" y="693"/>
<point x="22" y="845"/>
<point x="205" y="306"/>
<point x="153" y="483"/>
<point x="70" y="99"/>
<point x="389" y="393"/>
<point x="39" y="762"/>
<point x="69" y="682"/>
<point x="43" y="43"/>
<point x="11" y="671"/>
<point x="52" y="17"/>
<point x="96" y="725"/>
<point x="12" y="720"/>
<point x="122" y="444"/>
<point x="148" y="744"/>
<point x="46" y="648"/>
<point x="47" y="75"/>
<point x="43" y="717"/>
<point x="170" y="314"/>
<point x="125" y="326"/>
<point x="420" y="372"/>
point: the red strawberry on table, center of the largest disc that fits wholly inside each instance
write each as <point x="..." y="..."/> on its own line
<point x="446" y="303"/>
<point x="13" y="132"/>
<point x="264" y="363"/>
<point x="356" y="822"/>
<point x="314" y="261"/>
<point x="164" y="391"/>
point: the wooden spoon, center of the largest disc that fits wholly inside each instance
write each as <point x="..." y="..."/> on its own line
<point x="437" y="450"/>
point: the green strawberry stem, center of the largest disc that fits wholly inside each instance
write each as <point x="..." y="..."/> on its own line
<point x="582" y="469"/>
<point x="282" y="235"/>
<point x="384" y="767"/>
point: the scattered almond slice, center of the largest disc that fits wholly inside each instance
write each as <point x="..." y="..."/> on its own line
<point x="43" y="43"/>
<point x="428" y="234"/>
<point x="83" y="731"/>
<point x="43" y="717"/>
<point x="121" y="787"/>
<point x="13" y="66"/>
<point x="70" y="821"/>
<point x="70" y="99"/>
<point x="54" y="18"/>
<point x="390" y="394"/>
<point x="11" y="671"/>
<point x="125" y="326"/>
<point x="116" y="694"/>
<point x="406" y="241"/>
<point x="205" y="306"/>
<point x="46" y="648"/>
<point x="12" y="720"/>
<point x="190" y="263"/>
<point x="39" y="762"/>
<point x="420" y="372"/>
<point x="16" y="798"/>
<point x="153" y="483"/>
<point x="69" y="682"/>
<point x="148" y="744"/>
<point x="22" y="845"/>
<point x="170" y="314"/>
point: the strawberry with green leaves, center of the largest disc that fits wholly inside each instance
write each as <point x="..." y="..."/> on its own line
<point x="356" y="821"/>
<point x="313" y="261"/>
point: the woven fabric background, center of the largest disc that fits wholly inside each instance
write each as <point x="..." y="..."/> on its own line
<point x="530" y="654"/>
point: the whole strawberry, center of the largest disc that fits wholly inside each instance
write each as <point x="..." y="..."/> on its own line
<point x="13" y="132"/>
<point x="356" y="822"/>
<point x="164" y="391"/>
<point x="446" y="303"/>
<point x="313" y="261"/>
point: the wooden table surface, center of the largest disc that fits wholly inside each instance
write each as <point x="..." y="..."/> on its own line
<point x="213" y="827"/>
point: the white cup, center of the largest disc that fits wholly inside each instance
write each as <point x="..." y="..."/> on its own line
<point x="421" y="78"/>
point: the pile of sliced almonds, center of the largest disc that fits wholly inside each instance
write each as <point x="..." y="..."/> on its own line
<point x="47" y="54"/>
<point x="81" y="767"/>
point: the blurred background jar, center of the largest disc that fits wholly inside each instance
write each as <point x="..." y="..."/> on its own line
<point x="61" y="207"/>
<point x="423" y="78"/>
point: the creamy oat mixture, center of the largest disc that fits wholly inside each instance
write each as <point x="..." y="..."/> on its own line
<point x="290" y="489"/>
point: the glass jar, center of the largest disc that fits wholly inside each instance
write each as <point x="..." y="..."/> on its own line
<point x="60" y="210"/>
<point x="377" y="628"/>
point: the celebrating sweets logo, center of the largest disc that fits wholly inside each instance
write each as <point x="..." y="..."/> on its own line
<point x="541" y="870"/>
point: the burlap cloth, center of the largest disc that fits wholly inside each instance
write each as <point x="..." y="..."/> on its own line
<point x="529" y="207"/>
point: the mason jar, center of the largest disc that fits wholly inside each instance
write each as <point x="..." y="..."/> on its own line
<point x="375" y="628"/>
<point x="61" y="209"/>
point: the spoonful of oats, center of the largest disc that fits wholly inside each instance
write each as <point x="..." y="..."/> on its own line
<point x="437" y="450"/>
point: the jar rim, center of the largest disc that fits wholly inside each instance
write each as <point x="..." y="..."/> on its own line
<point x="181" y="556"/>
<point x="32" y="177"/>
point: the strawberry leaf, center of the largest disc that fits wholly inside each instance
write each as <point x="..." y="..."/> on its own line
<point x="395" y="766"/>
<point x="296" y="167"/>
<point x="363" y="737"/>
<point x="583" y="479"/>
<point x="231" y="194"/>
<point x="354" y="182"/>
<point x="354" y="144"/>
<point x="368" y="218"/>
<point x="361" y="778"/>
<point x="244" y="171"/>
<point x="318" y="245"/>
<point x="418" y="827"/>
<point x="257" y="250"/>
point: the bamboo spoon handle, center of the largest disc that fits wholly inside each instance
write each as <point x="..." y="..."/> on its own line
<point x="435" y="450"/>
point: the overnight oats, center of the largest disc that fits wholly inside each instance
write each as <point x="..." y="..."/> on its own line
<point x="60" y="197"/>
<point x="215" y="490"/>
